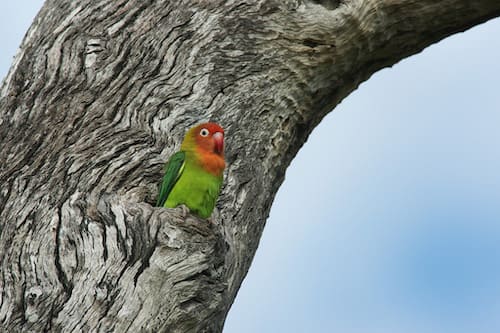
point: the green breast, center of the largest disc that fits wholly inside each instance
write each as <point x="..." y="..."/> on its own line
<point x="197" y="189"/>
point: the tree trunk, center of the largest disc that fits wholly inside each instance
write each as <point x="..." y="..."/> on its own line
<point x="101" y="94"/>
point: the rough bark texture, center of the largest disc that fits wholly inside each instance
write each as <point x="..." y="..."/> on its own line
<point x="100" y="95"/>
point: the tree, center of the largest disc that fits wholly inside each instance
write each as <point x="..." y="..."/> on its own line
<point x="101" y="94"/>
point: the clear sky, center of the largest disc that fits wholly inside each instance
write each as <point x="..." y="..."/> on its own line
<point x="399" y="222"/>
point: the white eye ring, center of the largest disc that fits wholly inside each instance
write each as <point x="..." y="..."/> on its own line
<point x="204" y="132"/>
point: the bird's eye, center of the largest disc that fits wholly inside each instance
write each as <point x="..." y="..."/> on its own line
<point x="204" y="132"/>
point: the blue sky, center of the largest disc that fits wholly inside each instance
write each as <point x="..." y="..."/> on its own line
<point x="399" y="190"/>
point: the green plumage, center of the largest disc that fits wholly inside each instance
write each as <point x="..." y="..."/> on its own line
<point x="186" y="182"/>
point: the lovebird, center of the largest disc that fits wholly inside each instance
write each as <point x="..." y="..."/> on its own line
<point x="193" y="175"/>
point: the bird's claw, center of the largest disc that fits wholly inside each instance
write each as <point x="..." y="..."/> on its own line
<point x="184" y="211"/>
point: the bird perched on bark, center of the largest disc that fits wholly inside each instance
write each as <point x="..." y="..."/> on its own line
<point x="193" y="176"/>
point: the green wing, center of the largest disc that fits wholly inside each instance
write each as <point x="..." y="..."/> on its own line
<point x="173" y="171"/>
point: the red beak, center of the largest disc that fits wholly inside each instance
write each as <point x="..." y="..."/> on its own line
<point x="219" y="142"/>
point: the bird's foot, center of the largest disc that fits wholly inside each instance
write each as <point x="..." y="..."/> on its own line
<point x="215" y="217"/>
<point x="184" y="211"/>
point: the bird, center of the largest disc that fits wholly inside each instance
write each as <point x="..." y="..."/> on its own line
<point x="194" y="175"/>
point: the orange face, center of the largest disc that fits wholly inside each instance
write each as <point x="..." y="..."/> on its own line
<point x="209" y="137"/>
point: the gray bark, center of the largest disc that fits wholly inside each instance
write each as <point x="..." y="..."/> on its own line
<point x="101" y="94"/>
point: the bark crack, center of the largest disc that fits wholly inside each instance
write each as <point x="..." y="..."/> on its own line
<point x="63" y="279"/>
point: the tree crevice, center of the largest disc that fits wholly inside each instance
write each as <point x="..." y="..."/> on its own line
<point x="63" y="279"/>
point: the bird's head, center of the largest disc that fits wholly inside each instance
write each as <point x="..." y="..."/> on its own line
<point x="207" y="137"/>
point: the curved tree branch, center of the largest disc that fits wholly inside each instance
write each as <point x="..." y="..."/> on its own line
<point x="100" y="95"/>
